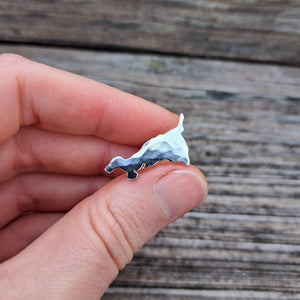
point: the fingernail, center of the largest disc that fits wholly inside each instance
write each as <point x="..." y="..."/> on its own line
<point x="179" y="192"/>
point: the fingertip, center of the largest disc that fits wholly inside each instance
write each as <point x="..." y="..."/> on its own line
<point x="179" y="192"/>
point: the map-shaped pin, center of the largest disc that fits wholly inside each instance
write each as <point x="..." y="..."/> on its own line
<point x="169" y="146"/>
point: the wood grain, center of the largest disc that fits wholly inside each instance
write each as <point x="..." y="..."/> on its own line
<point x="246" y="30"/>
<point x="186" y="294"/>
<point x="242" y="124"/>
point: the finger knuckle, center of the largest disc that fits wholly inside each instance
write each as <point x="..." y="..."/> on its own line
<point x="25" y="157"/>
<point x="109" y="231"/>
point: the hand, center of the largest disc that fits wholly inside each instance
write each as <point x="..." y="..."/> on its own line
<point x="67" y="228"/>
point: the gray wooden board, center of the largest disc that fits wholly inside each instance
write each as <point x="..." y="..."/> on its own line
<point x="240" y="29"/>
<point x="242" y="124"/>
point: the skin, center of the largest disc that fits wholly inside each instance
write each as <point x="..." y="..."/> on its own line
<point x="67" y="227"/>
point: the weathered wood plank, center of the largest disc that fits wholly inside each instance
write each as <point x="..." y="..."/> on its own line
<point x="186" y="294"/>
<point x="243" y="129"/>
<point x="249" y="30"/>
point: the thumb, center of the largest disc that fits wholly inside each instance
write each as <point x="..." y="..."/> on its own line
<point x="80" y="255"/>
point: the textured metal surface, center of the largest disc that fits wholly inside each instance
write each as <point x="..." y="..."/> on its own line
<point x="169" y="146"/>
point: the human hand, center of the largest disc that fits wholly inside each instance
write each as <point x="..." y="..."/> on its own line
<point x="57" y="133"/>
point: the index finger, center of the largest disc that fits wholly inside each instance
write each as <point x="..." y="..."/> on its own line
<point x="35" y="94"/>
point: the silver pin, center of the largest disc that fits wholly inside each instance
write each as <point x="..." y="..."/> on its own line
<point x="169" y="146"/>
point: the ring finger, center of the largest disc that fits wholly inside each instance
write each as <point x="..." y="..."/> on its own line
<point x="20" y="233"/>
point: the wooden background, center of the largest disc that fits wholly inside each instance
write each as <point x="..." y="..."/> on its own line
<point x="232" y="67"/>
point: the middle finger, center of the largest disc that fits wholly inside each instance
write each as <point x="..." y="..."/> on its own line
<point x="34" y="149"/>
<point x="44" y="192"/>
